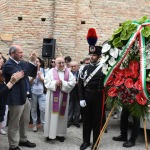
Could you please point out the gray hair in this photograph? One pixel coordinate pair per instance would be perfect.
(74, 63)
(12, 49)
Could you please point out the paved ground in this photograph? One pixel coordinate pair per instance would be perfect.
(74, 140)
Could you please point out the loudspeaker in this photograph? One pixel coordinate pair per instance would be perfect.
(48, 50)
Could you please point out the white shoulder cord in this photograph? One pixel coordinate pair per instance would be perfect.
(92, 74)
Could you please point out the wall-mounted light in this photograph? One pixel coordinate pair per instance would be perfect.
(43, 19)
(82, 22)
(20, 18)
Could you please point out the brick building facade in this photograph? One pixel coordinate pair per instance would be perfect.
(66, 20)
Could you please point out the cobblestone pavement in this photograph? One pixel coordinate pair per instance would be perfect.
(74, 139)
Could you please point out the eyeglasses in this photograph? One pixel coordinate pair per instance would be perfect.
(52, 61)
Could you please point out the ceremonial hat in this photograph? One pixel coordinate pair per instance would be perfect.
(92, 39)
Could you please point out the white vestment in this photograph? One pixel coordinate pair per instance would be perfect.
(56, 124)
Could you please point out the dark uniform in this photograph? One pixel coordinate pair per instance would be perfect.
(93, 94)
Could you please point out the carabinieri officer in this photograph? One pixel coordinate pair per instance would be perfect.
(92, 97)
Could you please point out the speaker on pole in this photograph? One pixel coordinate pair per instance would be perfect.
(48, 49)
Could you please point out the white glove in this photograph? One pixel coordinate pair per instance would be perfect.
(82, 103)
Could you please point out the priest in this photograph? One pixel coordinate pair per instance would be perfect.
(59, 81)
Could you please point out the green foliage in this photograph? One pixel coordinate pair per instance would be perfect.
(121, 35)
(143, 19)
(139, 110)
(117, 42)
(125, 35)
(146, 31)
(118, 30)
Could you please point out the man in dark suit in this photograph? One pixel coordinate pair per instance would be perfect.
(18, 97)
(74, 104)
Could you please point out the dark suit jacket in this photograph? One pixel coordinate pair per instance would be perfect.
(75, 89)
(17, 95)
(3, 93)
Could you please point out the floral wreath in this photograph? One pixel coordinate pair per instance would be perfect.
(126, 57)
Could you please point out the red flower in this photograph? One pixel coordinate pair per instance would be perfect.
(110, 81)
(134, 74)
(128, 83)
(124, 101)
(141, 99)
(134, 65)
(118, 72)
(138, 85)
(123, 96)
(127, 72)
(112, 92)
(118, 81)
(148, 87)
(131, 101)
(139, 77)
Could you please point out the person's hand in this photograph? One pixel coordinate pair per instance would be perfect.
(82, 103)
(33, 56)
(39, 75)
(16, 77)
(59, 83)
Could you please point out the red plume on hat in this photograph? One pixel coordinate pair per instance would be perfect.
(92, 37)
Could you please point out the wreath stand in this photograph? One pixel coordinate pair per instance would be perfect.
(97, 144)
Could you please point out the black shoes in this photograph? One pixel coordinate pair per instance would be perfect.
(81, 120)
(119, 138)
(27, 144)
(77, 125)
(61, 138)
(74, 123)
(15, 148)
(129, 144)
(69, 124)
(48, 139)
(84, 145)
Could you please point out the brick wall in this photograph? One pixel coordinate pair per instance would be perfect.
(63, 22)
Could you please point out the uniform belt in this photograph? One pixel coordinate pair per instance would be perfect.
(90, 90)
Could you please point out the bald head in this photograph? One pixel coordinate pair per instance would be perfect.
(60, 63)
(58, 59)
